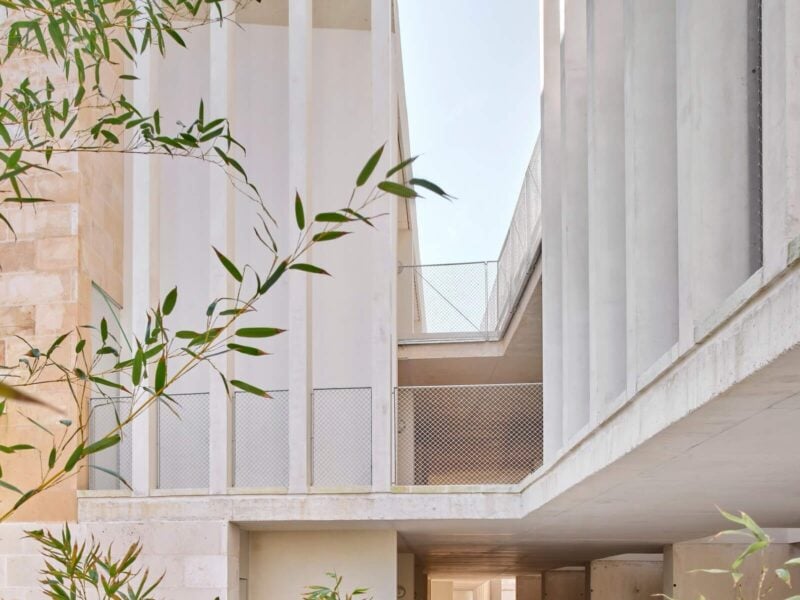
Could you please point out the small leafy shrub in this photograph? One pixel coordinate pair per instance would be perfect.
(321, 592)
(81, 571)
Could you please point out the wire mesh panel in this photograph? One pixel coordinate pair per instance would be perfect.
(108, 466)
(473, 434)
(453, 298)
(183, 442)
(341, 442)
(261, 440)
(475, 300)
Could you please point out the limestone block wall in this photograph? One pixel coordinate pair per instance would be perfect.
(47, 266)
(199, 560)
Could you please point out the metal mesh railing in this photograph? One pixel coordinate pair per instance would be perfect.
(341, 437)
(108, 466)
(261, 440)
(467, 434)
(183, 442)
(475, 300)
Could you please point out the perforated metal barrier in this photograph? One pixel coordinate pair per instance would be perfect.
(467, 435)
(474, 300)
(341, 437)
(261, 440)
(104, 466)
(183, 442)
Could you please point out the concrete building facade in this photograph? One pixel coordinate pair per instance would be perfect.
(558, 423)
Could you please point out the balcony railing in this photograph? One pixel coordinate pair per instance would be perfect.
(467, 434)
(108, 466)
(475, 301)
(340, 440)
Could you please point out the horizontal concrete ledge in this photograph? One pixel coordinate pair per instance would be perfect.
(351, 508)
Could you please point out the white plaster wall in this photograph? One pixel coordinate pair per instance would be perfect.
(262, 114)
(198, 559)
(341, 144)
(283, 563)
(183, 217)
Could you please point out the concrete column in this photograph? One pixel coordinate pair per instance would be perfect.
(651, 213)
(606, 201)
(574, 218)
(551, 225)
(300, 357)
(719, 172)
(220, 232)
(141, 264)
(384, 273)
(688, 557)
(566, 584)
(633, 577)
(792, 93)
(529, 587)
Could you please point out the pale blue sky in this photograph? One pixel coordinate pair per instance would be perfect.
(472, 88)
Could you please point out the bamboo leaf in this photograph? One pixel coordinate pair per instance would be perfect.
(369, 167)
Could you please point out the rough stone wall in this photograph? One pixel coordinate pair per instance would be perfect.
(199, 561)
(46, 273)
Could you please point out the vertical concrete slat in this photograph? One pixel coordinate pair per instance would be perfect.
(574, 218)
(300, 357)
(651, 214)
(220, 223)
(550, 56)
(606, 202)
(718, 167)
(384, 317)
(141, 262)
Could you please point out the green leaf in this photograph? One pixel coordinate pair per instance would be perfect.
(161, 374)
(15, 448)
(229, 266)
(369, 168)
(100, 445)
(8, 486)
(112, 473)
(249, 350)
(784, 576)
(244, 386)
(397, 189)
(258, 332)
(169, 301)
(400, 166)
(326, 236)
(792, 562)
(430, 186)
(332, 217)
(299, 214)
(309, 268)
(103, 330)
(51, 460)
(73, 459)
(79, 346)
